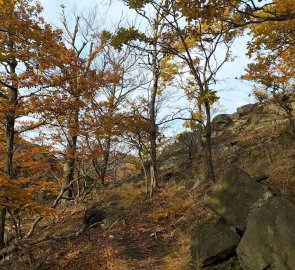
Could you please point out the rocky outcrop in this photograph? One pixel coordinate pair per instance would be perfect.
(269, 240)
(222, 119)
(212, 243)
(266, 224)
(234, 197)
(246, 109)
(220, 123)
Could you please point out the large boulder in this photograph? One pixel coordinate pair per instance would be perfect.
(212, 243)
(222, 119)
(220, 124)
(236, 196)
(269, 240)
(245, 109)
(95, 214)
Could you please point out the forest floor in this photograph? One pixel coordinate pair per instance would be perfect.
(149, 233)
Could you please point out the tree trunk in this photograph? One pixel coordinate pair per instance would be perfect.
(10, 134)
(106, 157)
(209, 163)
(69, 167)
(154, 165)
(144, 171)
(153, 130)
(289, 111)
(2, 226)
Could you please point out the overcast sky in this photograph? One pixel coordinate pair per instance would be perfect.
(233, 93)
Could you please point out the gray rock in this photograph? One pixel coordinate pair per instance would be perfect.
(232, 158)
(220, 123)
(170, 175)
(222, 119)
(212, 243)
(236, 196)
(94, 214)
(246, 109)
(269, 240)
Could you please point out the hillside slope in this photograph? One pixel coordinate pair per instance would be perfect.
(139, 232)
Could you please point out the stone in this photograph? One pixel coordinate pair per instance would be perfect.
(212, 243)
(222, 119)
(232, 158)
(269, 240)
(220, 123)
(234, 197)
(168, 176)
(246, 109)
(94, 214)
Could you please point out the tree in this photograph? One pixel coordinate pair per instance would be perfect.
(79, 79)
(27, 44)
(240, 13)
(152, 56)
(196, 43)
(272, 50)
(107, 111)
(271, 25)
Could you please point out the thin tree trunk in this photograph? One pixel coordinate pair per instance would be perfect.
(10, 134)
(68, 176)
(2, 226)
(106, 157)
(69, 167)
(144, 171)
(153, 131)
(288, 110)
(209, 163)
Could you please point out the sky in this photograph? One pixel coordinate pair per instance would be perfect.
(232, 91)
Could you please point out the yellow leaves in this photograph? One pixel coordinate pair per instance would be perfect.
(190, 42)
(13, 196)
(193, 123)
(32, 177)
(207, 95)
(168, 69)
(278, 8)
(273, 44)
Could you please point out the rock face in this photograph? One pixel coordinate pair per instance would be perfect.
(246, 109)
(222, 119)
(212, 243)
(269, 240)
(234, 197)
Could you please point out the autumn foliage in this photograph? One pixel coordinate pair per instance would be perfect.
(78, 103)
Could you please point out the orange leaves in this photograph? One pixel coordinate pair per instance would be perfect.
(17, 197)
(273, 48)
(13, 196)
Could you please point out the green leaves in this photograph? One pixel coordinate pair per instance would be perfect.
(125, 36)
(136, 4)
(105, 37)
